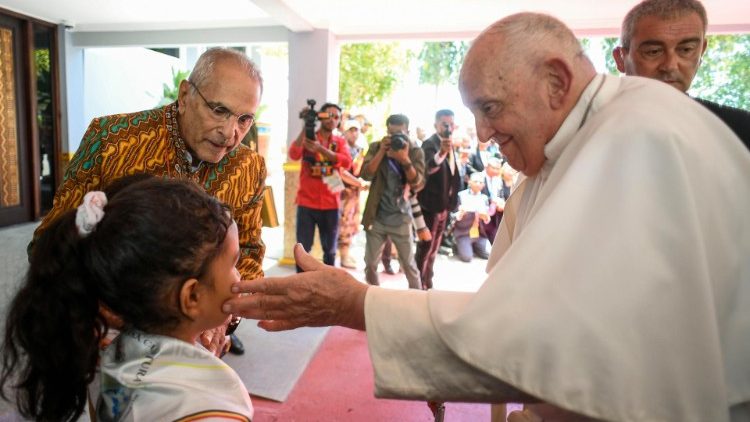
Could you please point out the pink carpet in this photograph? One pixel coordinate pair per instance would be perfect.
(338, 386)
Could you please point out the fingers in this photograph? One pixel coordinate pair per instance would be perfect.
(208, 340)
(218, 343)
(305, 261)
(278, 325)
(214, 340)
(524, 416)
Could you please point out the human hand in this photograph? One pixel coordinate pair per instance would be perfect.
(523, 416)
(320, 296)
(460, 214)
(484, 217)
(385, 144)
(215, 340)
(446, 144)
(364, 184)
(424, 234)
(310, 145)
(402, 155)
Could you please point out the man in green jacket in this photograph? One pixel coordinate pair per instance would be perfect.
(395, 166)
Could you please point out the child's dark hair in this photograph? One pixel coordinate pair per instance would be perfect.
(155, 234)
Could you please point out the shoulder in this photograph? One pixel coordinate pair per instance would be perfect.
(657, 109)
(115, 123)
(727, 113)
(432, 140)
(245, 157)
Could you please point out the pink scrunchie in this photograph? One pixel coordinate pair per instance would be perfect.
(90, 212)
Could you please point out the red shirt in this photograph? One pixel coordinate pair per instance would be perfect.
(313, 192)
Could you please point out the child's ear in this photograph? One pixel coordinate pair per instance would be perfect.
(189, 298)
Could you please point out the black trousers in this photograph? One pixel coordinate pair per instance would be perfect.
(328, 229)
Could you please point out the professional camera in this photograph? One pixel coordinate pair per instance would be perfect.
(309, 115)
(399, 141)
(446, 130)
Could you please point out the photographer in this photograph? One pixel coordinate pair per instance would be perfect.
(440, 194)
(395, 166)
(318, 194)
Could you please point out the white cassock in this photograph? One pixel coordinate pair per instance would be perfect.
(148, 377)
(618, 286)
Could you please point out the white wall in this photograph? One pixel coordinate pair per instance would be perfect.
(123, 80)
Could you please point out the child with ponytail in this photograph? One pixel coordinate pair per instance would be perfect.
(161, 255)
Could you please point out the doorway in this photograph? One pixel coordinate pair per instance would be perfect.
(29, 118)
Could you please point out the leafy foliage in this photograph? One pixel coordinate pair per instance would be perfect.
(608, 45)
(724, 76)
(369, 72)
(441, 62)
(170, 92)
(44, 85)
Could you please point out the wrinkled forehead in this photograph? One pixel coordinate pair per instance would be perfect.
(486, 81)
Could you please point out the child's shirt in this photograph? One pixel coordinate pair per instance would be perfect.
(147, 377)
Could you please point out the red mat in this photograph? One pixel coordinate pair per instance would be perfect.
(338, 386)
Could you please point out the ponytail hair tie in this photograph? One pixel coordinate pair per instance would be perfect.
(90, 212)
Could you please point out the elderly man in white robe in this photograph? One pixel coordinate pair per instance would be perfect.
(619, 284)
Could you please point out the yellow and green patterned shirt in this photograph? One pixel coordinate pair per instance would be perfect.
(148, 142)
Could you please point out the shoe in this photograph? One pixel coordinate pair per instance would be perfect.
(444, 250)
(388, 269)
(348, 262)
(236, 347)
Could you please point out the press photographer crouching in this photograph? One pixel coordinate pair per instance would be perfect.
(322, 154)
(395, 166)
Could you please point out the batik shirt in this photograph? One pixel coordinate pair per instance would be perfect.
(148, 377)
(149, 142)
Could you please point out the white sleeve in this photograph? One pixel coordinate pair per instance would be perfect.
(409, 358)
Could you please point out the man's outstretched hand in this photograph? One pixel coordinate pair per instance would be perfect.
(319, 296)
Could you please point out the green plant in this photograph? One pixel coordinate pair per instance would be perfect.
(441, 62)
(170, 92)
(369, 72)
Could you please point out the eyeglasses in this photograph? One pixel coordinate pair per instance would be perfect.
(222, 114)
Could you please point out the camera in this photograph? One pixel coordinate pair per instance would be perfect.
(309, 115)
(399, 141)
(446, 130)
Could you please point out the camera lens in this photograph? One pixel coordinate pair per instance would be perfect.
(399, 141)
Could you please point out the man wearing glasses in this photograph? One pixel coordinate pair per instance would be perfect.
(320, 184)
(197, 138)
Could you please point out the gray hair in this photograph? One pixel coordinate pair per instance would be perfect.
(532, 35)
(663, 9)
(204, 67)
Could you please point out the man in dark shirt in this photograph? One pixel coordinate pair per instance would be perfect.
(440, 194)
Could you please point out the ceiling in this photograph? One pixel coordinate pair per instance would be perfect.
(352, 19)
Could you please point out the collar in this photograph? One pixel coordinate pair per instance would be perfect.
(184, 164)
(596, 94)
